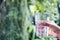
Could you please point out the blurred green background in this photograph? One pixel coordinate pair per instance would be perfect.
(16, 18)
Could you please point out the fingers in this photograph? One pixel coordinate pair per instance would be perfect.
(51, 33)
(54, 34)
(43, 23)
(46, 23)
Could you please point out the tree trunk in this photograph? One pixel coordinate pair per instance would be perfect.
(16, 21)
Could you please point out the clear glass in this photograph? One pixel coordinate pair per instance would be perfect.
(40, 32)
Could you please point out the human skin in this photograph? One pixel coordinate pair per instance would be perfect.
(54, 27)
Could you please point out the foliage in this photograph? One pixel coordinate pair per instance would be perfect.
(48, 6)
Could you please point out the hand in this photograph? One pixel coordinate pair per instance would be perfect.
(51, 33)
(53, 27)
(46, 23)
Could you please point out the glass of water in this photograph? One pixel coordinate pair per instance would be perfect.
(40, 32)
